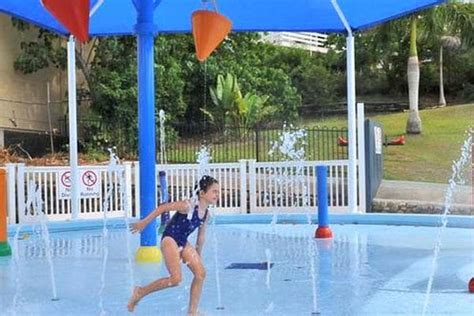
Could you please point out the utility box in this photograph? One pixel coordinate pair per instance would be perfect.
(373, 160)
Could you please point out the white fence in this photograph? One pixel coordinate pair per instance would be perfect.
(291, 187)
(45, 180)
(181, 180)
(246, 187)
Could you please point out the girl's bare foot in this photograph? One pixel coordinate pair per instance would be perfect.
(134, 299)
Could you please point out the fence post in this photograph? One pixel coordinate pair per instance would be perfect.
(20, 189)
(243, 186)
(5, 249)
(11, 191)
(257, 143)
(137, 188)
(128, 188)
(252, 185)
(361, 155)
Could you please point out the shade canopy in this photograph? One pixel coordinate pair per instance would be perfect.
(118, 17)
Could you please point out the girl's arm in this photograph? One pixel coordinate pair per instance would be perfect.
(201, 237)
(180, 206)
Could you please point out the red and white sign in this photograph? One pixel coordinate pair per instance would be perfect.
(89, 178)
(66, 179)
(89, 184)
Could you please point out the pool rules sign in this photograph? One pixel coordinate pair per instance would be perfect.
(89, 184)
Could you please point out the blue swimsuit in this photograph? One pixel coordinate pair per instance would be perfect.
(179, 227)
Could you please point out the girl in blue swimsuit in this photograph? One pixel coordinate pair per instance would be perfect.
(175, 246)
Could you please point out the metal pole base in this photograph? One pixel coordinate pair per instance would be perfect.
(323, 232)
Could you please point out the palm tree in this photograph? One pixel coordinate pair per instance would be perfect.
(413, 74)
(449, 43)
(450, 25)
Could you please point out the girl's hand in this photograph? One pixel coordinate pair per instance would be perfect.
(137, 227)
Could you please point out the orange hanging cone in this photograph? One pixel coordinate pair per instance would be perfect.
(209, 30)
(73, 15)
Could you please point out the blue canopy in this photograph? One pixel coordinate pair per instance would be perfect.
(118, 17)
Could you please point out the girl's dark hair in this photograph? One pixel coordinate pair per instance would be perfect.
(205, 183)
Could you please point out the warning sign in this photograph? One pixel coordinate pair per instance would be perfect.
(89, 178)
(89, 184)
(66, 179)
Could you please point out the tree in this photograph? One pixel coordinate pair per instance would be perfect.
(182, 83)
(413, 76)
(254, 110)
(434, 30)
(380, 65)
(108, 66)
(244, 56)
(310, 74)
(114, 77)
(225, 97)
(451, 43)
(448, 27)
(249, 59)
(233, 109)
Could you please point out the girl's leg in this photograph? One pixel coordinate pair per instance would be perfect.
(194, 262)
(170, 251)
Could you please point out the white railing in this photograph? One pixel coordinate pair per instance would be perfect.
(182, 179)
(306, 40)
(46, 180)
(264, 186)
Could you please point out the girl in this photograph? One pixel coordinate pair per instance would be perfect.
(175, 246)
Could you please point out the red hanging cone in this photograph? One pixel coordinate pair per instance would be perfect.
(209, 30)
(73, 15)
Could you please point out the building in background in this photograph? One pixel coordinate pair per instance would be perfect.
(313, 42)
(26, 118)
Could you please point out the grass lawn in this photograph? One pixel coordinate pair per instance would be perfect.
(427, 157)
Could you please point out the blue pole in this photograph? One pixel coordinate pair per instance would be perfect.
(164, 197)
(148, 252)
(323, 230)
(321, 174)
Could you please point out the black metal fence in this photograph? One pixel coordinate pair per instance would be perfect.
(95, 134)
(183, 141)
(32, 144)
(234, 143)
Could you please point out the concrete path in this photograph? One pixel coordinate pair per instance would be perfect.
(420, 197)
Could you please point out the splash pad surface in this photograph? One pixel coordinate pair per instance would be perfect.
(365, 269)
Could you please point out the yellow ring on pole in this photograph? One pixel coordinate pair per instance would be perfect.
(148, 254)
